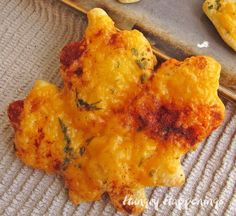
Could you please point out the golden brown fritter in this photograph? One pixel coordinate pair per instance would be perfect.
(222, 14)
(117, 125)
(117, 61)
(41, 138)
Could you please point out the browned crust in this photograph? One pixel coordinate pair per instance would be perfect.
(169, 122)
(116, 40)
(128, 208)
(71, 52)
(117, 194)
(160, 121)
(14, 111)
(201, 62)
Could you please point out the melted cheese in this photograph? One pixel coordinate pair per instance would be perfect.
(222, 13)
(116, 128)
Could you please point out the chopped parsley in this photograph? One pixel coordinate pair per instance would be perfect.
(118, 64)
(134, 51)
(210, 7)
(67, 149)
(218, 4)
(143, 78)
(85, 105)
(65, 163)
(142, 64)
(82, 150)
(215, 6)
(88, 141)
(140, 162)
(65, 132)
(112, 90)
(151, 173)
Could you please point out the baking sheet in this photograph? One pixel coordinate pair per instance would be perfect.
(178, 28)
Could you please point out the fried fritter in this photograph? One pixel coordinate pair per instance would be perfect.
(42, 139)
(222, 14)
(117, 61)
(117, 125)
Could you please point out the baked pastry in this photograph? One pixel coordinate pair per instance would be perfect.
(222, 14)
(118, 124)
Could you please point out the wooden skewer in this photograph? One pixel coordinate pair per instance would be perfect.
(225, 92)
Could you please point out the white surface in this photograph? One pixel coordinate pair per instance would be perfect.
(32, 33)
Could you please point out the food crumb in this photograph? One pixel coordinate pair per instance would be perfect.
(204, 44)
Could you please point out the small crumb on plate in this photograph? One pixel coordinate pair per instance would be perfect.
(204, 44)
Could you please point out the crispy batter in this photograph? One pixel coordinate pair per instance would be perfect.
(116, 128)
(39, 139)
(14, 112)
(117, 61)
(222, 14)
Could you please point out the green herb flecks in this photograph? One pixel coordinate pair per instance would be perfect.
(218, 4)
(85, 105)
(65, 163)
(78, 166)
(117, 64)
(67, 149)
(82, 151)
(112, 91)
(65, 132)
(141, 63)
(210, 7)
(151, 173)
(143, 78)
(134, 51)
(89, 140)
(140, 162)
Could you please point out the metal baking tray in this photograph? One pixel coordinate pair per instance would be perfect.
(175, 29)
